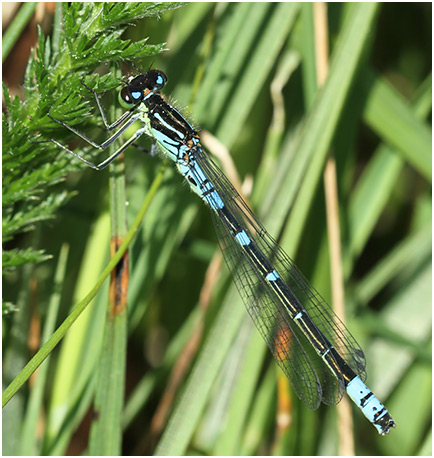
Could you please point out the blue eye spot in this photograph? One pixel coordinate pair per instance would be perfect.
(159, 79)
(136, 95)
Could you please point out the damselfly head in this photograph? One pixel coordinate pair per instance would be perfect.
(138, 86)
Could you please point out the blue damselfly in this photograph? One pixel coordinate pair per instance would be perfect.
(310, 344)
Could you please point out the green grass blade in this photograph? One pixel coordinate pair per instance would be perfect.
(261, 415)
(106, 431)
(29, 440)
(319, 128)
(79, 352)
(183, 420)
(13, 360)
(242, 392)
(256, 71)
(16, 27)
(394, 121)
(232, 48)
(411, 252)
(374, 187)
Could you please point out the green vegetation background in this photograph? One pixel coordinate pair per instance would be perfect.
(234, 70)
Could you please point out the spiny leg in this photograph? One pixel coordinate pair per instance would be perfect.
(107, 161)
(119, 121)
(105, 144)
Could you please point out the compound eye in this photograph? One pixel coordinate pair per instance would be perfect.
(130, 97)
(125, 96)
(157, 79)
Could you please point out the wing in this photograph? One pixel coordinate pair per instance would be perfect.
(311, 379)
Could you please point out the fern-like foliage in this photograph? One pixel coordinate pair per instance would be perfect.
(85, 36)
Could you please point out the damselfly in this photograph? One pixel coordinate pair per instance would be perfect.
(310, 344)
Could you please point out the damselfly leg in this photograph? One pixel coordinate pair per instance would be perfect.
(108, 126)
(123, 123)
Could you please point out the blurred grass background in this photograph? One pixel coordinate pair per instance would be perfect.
(246, 74)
